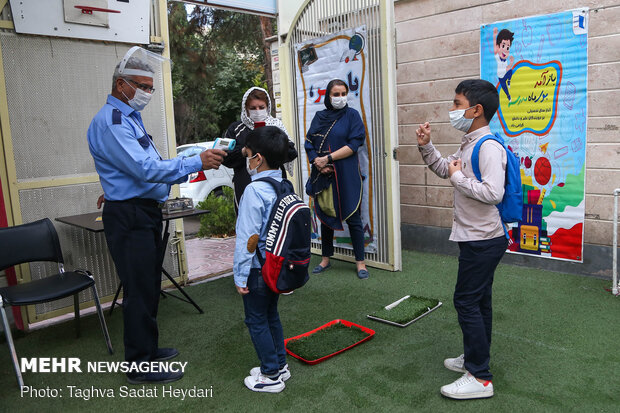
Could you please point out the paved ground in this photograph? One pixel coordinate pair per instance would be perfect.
(206, 257)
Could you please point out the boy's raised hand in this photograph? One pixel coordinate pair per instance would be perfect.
(424, 134)
(454, 166)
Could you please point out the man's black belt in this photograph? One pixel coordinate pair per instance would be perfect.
(143, 202)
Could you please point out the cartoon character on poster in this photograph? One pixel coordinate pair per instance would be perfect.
(539, 65)
(341, 56)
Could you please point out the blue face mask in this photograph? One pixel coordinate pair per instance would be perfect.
(459, 121)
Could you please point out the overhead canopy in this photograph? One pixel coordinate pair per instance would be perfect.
(261, 7)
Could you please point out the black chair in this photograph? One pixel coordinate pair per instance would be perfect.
(34, 242)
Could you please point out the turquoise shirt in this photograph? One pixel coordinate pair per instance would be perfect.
(128, 164)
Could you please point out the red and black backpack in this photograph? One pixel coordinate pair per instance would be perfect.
(287, 247)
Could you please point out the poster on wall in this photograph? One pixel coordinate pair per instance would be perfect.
(341, 55)
(540, 67)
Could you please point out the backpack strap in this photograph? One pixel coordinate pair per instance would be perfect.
(274, 184)
(475, 163)
(281, 188)
(475, 155)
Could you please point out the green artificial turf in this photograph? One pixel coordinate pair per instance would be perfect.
(326, 341)
(407, 310)
(556, 348)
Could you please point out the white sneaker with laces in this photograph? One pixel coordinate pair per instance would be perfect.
(467, 387)
(285, 373)
(456, 364)
(262, 383)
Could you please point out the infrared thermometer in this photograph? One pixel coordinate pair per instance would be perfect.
(224, 144)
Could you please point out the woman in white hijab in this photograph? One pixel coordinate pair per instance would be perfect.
(255, 112)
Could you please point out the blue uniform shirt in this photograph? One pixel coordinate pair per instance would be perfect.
(254, 208)
(128, 164)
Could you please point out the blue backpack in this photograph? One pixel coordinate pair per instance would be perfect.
(287, 247)
(511, 206)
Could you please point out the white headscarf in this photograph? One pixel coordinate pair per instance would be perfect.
(270, 121)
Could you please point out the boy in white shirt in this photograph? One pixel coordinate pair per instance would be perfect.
(477, 227)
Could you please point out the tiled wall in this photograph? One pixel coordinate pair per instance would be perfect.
(438, 46)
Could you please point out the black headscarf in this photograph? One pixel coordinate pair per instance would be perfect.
(325, 118)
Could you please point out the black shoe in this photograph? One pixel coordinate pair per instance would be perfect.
(154, 378)
(166, 353)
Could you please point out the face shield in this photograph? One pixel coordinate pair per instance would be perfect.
(149, 62)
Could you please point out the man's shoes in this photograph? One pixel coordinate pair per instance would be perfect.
(262, 383)
(363, 274)
(467, 387)
(319, 269)
(285, 373)
(456, 364)
(154, 378)
(166, 353)
(289, 293)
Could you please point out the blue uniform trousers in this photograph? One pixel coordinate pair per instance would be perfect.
(133, 231)
(472, 300)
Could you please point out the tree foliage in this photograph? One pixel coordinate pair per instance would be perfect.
(217, 55)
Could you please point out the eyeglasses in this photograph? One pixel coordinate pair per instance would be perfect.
(142, 86)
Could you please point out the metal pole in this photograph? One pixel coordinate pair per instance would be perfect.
(614, 288)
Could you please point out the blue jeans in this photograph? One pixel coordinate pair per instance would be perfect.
(263, 321)
(472, 300)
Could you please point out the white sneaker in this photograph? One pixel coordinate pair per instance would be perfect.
(285, 373)
(467, 387)
(456, 364)
(264, 384)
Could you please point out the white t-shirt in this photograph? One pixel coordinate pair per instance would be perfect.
(501, 66)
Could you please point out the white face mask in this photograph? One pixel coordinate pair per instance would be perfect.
(258, 115)
(251, 171)
(459, 121)
(338, 102)
(140, 98)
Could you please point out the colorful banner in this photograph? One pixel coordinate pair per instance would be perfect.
(342, 56)
(540, 67)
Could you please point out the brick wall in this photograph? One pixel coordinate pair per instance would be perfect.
(438, 46)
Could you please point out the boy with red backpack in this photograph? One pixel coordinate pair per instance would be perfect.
(269, 212)
(477, 226)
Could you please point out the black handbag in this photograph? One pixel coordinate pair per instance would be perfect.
(319, 185)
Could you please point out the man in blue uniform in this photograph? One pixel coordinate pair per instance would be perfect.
(135, 180)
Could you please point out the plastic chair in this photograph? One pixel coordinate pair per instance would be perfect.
(34, 242)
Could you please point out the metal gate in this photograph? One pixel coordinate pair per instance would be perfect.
(323, 17)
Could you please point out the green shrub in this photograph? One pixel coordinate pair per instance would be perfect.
(220, 221)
